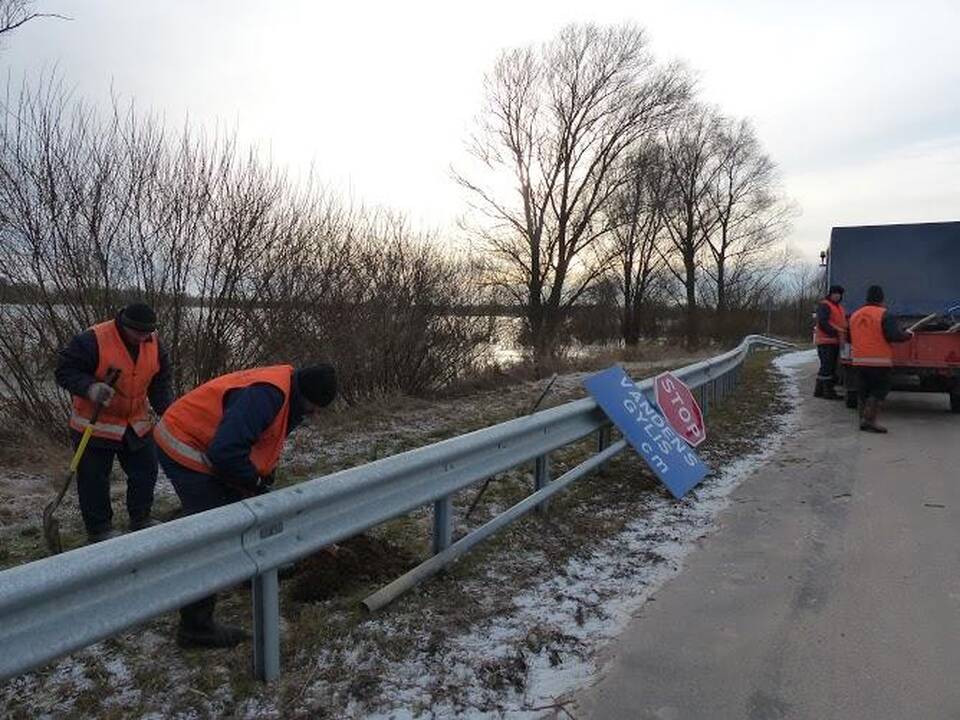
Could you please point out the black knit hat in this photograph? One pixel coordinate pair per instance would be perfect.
(875, 294)
(139, 316)
(318, 383)
(838, 289)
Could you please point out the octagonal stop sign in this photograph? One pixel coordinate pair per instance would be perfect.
(680, 408)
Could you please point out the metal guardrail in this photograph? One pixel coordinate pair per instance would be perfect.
(56, 605)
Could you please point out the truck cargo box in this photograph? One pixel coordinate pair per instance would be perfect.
(918, 265)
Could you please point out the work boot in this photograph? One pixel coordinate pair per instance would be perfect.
(142, 521)
(829, 392)
(95, 536)
(818, 389)
(868, 423)
(198, 629)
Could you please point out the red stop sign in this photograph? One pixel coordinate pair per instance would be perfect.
(680, 408)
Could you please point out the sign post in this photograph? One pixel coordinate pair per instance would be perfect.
(680, 408)
(664, 451)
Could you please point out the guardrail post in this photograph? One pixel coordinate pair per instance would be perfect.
(541, 478)
(442, 523)
(266, 626)
(603, 442)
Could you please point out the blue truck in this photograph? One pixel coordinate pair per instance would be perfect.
(918, 266)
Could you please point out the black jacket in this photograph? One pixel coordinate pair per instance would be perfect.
(247, 413)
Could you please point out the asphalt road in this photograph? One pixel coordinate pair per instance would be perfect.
(830, 590)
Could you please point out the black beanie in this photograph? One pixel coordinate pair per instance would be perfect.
(875, 294)
(139, 316)
(318, 384)
(838, 289)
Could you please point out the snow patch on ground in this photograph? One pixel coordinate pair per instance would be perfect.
(562, 623)
(619, 577)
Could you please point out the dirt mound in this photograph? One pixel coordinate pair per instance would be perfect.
(357, 562)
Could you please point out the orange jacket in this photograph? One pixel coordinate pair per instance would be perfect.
(129, 404)
(838, 321)
(188, 426)
(869, 345)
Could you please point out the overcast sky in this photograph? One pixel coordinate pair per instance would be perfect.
(857, 102)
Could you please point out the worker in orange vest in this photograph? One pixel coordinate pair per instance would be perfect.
(829, 334)
(221, 442)
(129, 343)
(872, 329)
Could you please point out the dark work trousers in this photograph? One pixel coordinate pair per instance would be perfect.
(874, 382)
(828, 354)
(197, 492)
(93, 481)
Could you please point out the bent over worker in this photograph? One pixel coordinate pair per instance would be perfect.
(829, 334)
(872, 329)
(221, 442)
(130, 344)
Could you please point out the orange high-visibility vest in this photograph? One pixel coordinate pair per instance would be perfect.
(129, 404)
(187, 427)
(838, 321)
(869, 346)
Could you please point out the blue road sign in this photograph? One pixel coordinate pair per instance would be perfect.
(667, 454)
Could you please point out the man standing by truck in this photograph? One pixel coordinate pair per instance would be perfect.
(872, 329)
(829, 334)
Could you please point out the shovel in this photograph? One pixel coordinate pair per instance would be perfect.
(51, 526)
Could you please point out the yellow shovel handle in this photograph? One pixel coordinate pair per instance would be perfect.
(81, 446)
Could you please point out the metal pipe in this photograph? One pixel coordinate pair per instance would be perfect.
(429, 568)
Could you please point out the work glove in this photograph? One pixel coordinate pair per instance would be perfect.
(265, 483)
(100, 392)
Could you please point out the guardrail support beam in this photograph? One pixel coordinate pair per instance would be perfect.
(541, 478)
(442, 524)
(266, 626)
(603, 442)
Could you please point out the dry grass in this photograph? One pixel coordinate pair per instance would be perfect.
(337, 660)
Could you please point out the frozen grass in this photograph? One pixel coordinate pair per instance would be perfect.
(510, 631)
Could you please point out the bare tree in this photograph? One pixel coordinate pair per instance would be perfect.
(15, 13)
(691, 159)
(556, 122)
(744, 216)
(243, 267)
(637, 229)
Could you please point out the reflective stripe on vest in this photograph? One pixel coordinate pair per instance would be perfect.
(129, 403)
(100, 429)
(179, 450)
(869, 345)
(838, 321)
(190, 423)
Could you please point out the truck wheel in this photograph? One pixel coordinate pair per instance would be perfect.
(852, 399)
(955, 403)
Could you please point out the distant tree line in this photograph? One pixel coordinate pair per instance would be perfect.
(243, 266)
(608, 202)
(598, 169)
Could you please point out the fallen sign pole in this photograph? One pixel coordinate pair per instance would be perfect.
(680, 408)
(443, 558)
(642, 425)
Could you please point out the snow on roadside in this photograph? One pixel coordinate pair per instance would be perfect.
(617, 579)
